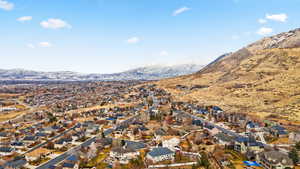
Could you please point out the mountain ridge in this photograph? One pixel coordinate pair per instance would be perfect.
(154, 72)
(260, 79)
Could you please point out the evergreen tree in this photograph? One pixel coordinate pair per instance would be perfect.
(297, 146)
(293, 154)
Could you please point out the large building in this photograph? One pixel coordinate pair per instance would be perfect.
(274, 160)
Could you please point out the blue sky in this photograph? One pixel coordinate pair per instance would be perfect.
(105, 36)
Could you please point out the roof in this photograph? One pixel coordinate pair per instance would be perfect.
(160, 132)
(122, 150)
(17, 143)
(275, 157)
(68, 165)
(15, 163)
(30, 138)
(160, 152)
(223, 137)
(6, 149)
(105, 141)
(51, 167)
(134, 145)
(241, 139)
(3, 134)
(278, 127)
(251, 124)
(41, 134)
(282, 132)
(38, 152)
(73, 158)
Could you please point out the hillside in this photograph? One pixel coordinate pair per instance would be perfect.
(261, 79)
(142, 73)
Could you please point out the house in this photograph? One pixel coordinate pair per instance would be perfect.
(212, 130)
(278, 131)
(123, 155)
(18, 145)
(159, 133)
(252, 126)
(41, 134)
(4, 135)
(67, 165)
(160, 154)
(170, 142)
(216, 109)
(6, 151)
(223, 139)
(48, 130)
(105, 142)
(274, 160)
(294, 137)
(16, 163)
(244, 144)
(71, 162)
(30, 139)
(197, 123)
(37, 153)
(134, 145)
(73, 159)
(62, 142)
(92, 128)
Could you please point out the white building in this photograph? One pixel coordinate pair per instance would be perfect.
(123, 155)
(170, 142)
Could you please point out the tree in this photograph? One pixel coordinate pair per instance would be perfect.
(50, 145)
(204, 161)
(293, 154)
(297, 146)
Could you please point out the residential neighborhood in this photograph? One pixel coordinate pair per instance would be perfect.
(140, 126)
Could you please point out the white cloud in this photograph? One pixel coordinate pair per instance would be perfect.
(24, 18)
(133, 40)
(164, 53)
(53, 23)
(30, 45)
(264, 31)
(235, 37)
(180, 10)
(277, 17)
(5, 5)
(45, 44)
(262, 21)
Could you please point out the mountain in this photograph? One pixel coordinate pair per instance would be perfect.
(143, 73)
(261, 79)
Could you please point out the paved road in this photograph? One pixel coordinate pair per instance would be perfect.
(53, 138)
(88, 142)
(65, 155)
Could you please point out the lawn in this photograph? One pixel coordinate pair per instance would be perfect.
(97, 161)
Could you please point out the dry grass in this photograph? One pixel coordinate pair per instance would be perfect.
(265, 83)
(11, 115)
(97, 107)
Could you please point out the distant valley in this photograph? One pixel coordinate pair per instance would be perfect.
(155, 72)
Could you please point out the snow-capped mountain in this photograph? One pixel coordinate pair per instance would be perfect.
(143, 73)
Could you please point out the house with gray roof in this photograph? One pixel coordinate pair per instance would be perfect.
(274, 160)
(4, 151)
(160, 154)
(224, 139)
(123, 155)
